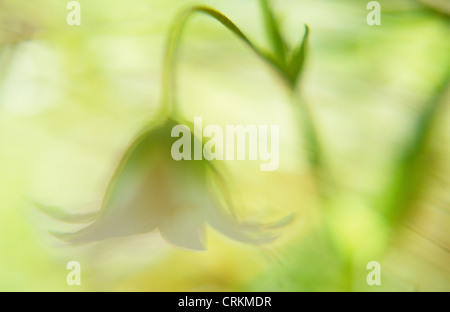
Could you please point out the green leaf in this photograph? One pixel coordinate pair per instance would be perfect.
(297, 61)
(412, 164)
(273, 32)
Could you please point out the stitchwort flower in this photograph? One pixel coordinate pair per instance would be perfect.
(151, 190)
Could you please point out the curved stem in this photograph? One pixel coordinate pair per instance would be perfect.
(169, 102)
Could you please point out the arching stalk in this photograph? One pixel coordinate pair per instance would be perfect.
(169, 101)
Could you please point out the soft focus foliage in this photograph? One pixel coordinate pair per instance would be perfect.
(72, 98)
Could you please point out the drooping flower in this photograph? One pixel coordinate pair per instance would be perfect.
(151, 190)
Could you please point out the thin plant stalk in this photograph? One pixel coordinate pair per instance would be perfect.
(169, 101)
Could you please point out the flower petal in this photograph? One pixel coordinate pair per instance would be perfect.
(129, 223)
(231, 227)
(185, 228)
(61, 215)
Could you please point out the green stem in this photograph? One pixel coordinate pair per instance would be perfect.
(169, 102)
(314, 149)
(306, 120)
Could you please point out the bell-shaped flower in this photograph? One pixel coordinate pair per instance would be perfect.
(151, 190)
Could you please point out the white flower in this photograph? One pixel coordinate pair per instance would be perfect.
(150, 190)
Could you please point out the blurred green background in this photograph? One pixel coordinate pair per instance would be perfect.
(73, 97)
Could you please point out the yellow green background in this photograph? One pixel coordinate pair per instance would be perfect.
(73, 97)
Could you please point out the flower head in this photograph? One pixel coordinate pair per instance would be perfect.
(151, 190)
